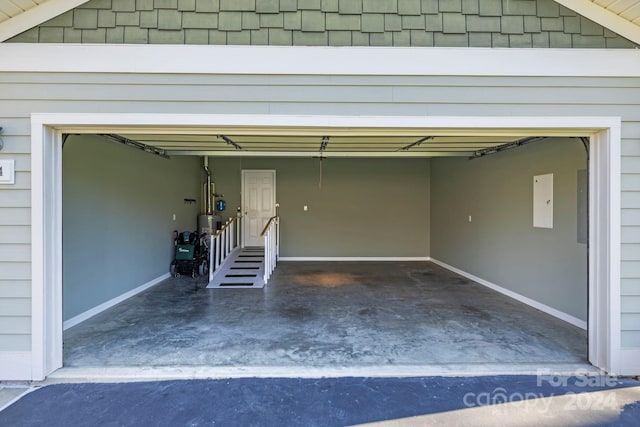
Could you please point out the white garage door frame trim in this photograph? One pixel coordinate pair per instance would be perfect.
(604, 249)
(318, 60)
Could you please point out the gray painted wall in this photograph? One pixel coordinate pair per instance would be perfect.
(500, 244)
(366, 207)
(439, 23)
(24, 93)
(118, 206)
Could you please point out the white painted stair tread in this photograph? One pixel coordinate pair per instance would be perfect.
(243, 269)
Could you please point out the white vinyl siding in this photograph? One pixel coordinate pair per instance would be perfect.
(24, 93)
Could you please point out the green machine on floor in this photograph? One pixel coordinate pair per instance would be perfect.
(190, 257)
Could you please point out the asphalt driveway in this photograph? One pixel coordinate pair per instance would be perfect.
(495, 400)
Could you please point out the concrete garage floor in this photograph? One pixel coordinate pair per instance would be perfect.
(321, 314)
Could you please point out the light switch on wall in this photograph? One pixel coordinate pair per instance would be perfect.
(305, 208)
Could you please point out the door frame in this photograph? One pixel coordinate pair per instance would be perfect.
(604, 333)
(243, 173)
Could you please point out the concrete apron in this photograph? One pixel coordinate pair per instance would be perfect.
(135, 374)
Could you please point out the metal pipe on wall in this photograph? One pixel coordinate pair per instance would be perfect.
(208, 195)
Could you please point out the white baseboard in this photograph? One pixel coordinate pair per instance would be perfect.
(535, 304)
(353, 258)
(15, 366)
(102, 307)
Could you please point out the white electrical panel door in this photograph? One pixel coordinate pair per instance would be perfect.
(543, 201)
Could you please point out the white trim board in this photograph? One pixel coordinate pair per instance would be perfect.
(75, 320)
(354, 258)
(46, 193)
(318, 60)
(525, 300)
(317, 125)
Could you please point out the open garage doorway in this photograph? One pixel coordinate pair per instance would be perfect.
(322, 311)
(597, 144)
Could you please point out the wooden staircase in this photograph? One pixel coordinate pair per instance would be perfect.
(244, 268)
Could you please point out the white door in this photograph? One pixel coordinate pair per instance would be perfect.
(258, 204)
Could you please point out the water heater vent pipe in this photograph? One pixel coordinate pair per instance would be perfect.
(208, 195)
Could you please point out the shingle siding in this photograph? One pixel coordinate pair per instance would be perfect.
(471, 23)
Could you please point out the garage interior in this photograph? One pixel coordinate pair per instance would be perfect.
(460, 200)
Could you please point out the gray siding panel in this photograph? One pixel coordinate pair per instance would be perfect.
(11, 198)
(15, 289)
(630, 217)
(15, 144)
(15, 234)
(630, 181)
(630, 339)
(14, 271)
(23, 94)
(630, 164)
(23, 180)
(15, 307)
(13, 324)
(15, 127)
(15, 253)
(630, 287)
(630, 269)
(15, 216)
(319, 93)
(15, 342)
(630, 199)
(630, 304)
(312, 81)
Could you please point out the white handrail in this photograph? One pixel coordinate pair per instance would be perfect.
(222, 243)
(271, 236)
